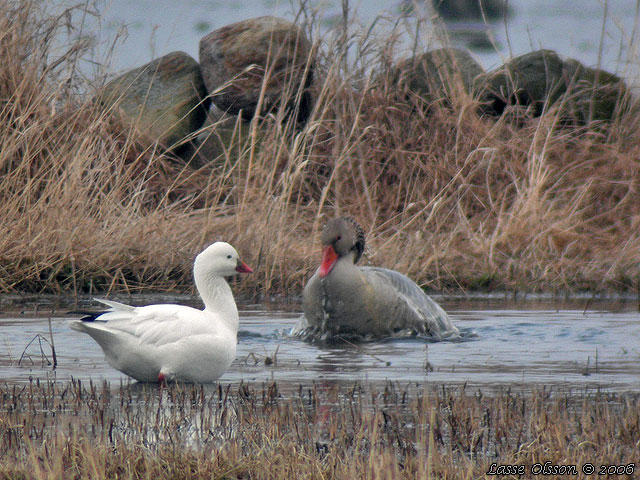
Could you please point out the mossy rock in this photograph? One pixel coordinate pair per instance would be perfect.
(223, 140)
(594, 94)
(542, 78)
(264, 57)
(528, 80)
(163, 100)
(437, 75)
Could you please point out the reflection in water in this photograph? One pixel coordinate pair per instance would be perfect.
(523, 344)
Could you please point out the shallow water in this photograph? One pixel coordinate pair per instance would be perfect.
(150, 28)
(523, 345)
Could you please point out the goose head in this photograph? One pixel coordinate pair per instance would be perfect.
(219, 259)
(341, 237)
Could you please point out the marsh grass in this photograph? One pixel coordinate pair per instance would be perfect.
(341, 431)
(452, 199)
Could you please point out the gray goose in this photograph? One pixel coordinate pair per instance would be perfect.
(344, 300)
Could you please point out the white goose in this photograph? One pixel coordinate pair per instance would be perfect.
(167, 342)
(342, 299)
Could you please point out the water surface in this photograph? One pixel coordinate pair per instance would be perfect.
(523, 345)
(597, 33)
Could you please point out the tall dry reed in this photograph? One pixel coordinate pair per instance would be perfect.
(457, 201)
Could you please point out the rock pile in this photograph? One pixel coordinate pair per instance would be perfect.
(256, 66)
(266, 65)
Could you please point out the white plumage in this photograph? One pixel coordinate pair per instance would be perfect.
(175, 342)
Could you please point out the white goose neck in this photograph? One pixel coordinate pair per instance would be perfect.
(217, 297)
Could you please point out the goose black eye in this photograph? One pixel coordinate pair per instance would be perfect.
(229, 256)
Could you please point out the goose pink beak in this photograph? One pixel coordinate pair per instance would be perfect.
(329, 259)
(243, 267)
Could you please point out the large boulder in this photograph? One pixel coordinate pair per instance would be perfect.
(539, 79)
(528, 80)
(439, 74)
(222, 139)
(595, 94)
(163, 100)
(265, 55)
(471, 9)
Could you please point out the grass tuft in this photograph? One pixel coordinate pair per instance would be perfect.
(79, 430)
(454, 200)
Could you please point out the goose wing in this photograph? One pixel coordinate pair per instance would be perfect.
(409, 302)
(153, 324)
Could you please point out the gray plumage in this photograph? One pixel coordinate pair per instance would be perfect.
(365, 302)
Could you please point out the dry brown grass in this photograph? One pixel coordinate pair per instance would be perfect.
(55, 430)
(454, 200)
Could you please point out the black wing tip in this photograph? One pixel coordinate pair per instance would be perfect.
(87, 316)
